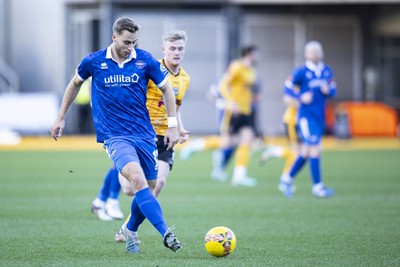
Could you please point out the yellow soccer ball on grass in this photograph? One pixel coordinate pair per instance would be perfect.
(220, 241)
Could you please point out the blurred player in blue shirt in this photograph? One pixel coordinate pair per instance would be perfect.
(311, 84)
(120, 74)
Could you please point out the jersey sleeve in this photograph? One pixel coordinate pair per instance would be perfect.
(84, 69)
(158, 73)
(293, 81)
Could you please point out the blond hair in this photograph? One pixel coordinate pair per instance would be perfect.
(174, 35)
(313, 47)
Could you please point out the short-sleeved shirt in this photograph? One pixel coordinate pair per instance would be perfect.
(311, 116)
(119, 92)
(309, 78)
(239, 85)
(155, 102)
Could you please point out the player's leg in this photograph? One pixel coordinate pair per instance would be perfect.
(305, 128)
(165, 163)
(139, 217)
(163, 172)
(286, 180)
(228, 151)
(294, 140)
(127, 161)
(144, 205)
(155, 186)
(242, 160)
(99, 204)
(221, 157)
(319, 189)
(112, 206)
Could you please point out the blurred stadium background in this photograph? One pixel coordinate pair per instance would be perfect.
(41, 43)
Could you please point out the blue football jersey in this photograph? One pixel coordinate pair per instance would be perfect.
(119, 92)
(310, 77)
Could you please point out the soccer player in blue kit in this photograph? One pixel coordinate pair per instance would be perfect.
(120, 74)
(314, 83)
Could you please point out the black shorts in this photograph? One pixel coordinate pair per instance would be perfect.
(163, 154)
(239, 121)
(292, 133)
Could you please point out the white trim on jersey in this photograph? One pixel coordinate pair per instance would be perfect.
(317, 69)
(131, 55)
(79, 77)
(163, 82)
(289, 84)
(305, 130)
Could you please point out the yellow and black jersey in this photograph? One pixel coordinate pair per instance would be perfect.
(155, 103)
(237, 85)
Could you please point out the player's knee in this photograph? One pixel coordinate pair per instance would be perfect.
(128, 191)
(125, 185)
(314, 152)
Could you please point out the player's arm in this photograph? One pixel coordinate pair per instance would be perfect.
(171, 136)
(70, 94)
(305, 96)
(183, 133)
(225, 88)
(224, 85)
(290, 101)
(291, 92)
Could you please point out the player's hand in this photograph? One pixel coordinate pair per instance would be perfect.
(171, 137)
(232, 107)
(306, 98)
(325, 88)
(183, 136)
(57, 129)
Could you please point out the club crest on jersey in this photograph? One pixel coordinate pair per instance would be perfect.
(163, 68)
(176, 90)
(140, 64)
(103, 66)
(309, 74)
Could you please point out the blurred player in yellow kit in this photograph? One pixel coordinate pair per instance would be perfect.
(236, 87)
(234, 97)
(174, 49)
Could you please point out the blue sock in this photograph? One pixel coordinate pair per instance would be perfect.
(298, 164)
(136, 218)
(115, 186)
(315, 170)
(105, 189)
(151, 209)
(227, 155)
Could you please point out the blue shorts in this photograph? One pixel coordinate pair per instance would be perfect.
(123, 150)
(311, 131)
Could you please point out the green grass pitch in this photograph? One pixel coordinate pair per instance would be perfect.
(45, 217)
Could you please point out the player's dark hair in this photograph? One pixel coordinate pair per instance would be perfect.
(248, 49)
(125, 23)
